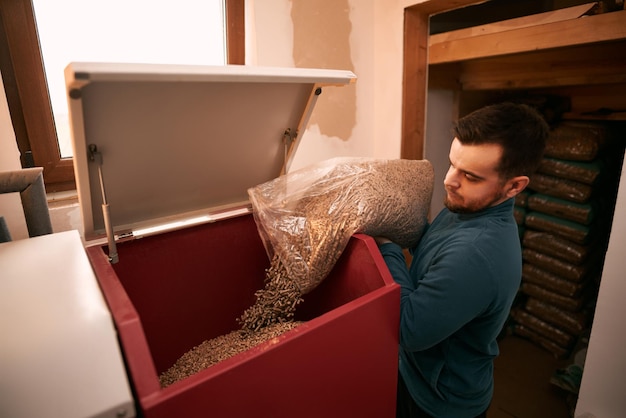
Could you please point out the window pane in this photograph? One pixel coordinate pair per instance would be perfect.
(138, 31)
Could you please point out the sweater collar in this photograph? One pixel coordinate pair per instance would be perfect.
(503, 209)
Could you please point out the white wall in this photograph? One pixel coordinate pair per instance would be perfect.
(439, 114)
(602, 388)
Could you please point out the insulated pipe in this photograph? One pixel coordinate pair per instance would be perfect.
(28, 182)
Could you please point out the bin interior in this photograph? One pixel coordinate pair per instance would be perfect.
(192, 284)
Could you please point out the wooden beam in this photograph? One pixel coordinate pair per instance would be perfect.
(432, 7)
(414, 84)
(415, 71)
(517, 23)
(589, 29)
(577, 65)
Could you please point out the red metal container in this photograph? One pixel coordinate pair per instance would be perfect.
(169, 291)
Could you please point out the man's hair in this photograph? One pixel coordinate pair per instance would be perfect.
(519, 129)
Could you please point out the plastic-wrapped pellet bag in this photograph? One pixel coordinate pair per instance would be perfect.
(306, 217)
(556, 246)
(561, 188)
(576, 140)
(582, 172)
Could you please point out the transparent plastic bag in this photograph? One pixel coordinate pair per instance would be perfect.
(306, 217)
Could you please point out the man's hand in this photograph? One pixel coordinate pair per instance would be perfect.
(381, 240)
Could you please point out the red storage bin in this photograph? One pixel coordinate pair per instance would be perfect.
(170, 292)
(168, 153)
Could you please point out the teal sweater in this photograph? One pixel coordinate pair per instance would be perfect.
(455, 298)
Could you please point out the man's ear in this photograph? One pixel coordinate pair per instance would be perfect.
(515, 185)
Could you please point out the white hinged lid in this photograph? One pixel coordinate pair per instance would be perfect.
(178, 142)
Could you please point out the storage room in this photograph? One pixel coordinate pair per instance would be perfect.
(152, 228)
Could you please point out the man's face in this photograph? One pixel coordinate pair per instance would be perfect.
(472, 182)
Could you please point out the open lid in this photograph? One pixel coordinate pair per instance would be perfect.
(160, 143)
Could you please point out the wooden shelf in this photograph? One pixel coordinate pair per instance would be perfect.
(603, 63)
(620, 116)
(557, 49)
(594, 102)
(558, 15)
(587, 30)
(565, 53)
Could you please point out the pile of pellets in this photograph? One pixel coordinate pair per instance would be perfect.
(306, 233)
(271, 316)
(221, 348)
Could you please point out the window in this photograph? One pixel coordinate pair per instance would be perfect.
(27, 88)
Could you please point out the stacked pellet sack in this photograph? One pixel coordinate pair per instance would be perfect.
(564, 221)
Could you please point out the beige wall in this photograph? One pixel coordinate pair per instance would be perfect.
(364, 36)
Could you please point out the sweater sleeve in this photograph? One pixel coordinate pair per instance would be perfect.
(457, 287)
(394, 258)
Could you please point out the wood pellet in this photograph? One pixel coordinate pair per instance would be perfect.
(276, 303)
(269, 317)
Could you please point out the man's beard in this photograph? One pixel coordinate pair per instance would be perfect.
(475, 206)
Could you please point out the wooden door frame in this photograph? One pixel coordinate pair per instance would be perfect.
(415, 72)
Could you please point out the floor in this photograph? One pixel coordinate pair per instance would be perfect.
(522, 382)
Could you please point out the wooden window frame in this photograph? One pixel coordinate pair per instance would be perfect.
(28, 99)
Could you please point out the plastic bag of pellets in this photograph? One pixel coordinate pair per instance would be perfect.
(306, 218)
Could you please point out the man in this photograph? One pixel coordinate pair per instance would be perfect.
(457, 293)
